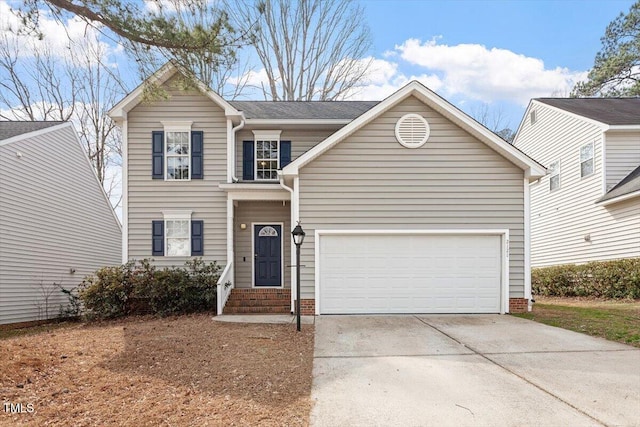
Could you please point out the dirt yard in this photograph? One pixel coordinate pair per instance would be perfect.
(183, 371)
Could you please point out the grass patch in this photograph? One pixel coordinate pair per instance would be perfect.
(619, 321)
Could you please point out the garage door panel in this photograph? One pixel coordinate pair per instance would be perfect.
(410, 273)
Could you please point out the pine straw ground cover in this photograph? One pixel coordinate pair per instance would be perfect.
(183, 371)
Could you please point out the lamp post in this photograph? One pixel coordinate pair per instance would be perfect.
(298, 237)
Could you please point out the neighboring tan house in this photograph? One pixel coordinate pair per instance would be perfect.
(409, 205)
(56, 223)
(588, 207)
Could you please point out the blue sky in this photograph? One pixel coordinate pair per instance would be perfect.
(563, 35)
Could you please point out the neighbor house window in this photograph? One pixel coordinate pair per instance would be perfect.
(177, 146)
(586, 160)
(532, 117)
(267, 159)
(554, 175)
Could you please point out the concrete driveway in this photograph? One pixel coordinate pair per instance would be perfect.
(480, 370)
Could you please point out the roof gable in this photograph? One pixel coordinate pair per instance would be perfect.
(168, 70)
(532, 168)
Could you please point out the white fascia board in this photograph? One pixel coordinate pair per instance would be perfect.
(619, 198)
(623, 128)
(437, 103)
(36, 133)
(279, 122)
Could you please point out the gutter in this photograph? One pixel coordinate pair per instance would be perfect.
(235, 130)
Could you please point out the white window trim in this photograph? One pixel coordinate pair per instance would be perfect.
(176, 126)
(176, 216)
(551, 190)
(264, 135)
(593, 158)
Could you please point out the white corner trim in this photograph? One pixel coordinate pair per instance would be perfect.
(125, 191)
(502, 232)
(527, 240)
(267, 135)
(603, 175)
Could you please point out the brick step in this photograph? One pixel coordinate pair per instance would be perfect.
(258, 302)
(256, 310)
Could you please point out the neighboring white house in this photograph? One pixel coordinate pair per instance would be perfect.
(409, 205)
(588, 206)
(56, 223)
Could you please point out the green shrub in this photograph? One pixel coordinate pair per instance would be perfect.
(616, 279)
(140, 287)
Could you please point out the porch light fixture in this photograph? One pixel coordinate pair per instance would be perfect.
(298, 237)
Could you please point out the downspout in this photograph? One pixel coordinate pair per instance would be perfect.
(234, 130)
(293, 218)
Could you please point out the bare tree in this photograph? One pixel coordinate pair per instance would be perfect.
(493, 119)
(310, 49)
(40, 84)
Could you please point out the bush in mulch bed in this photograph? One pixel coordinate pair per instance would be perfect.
(141, 288)
(616, 279)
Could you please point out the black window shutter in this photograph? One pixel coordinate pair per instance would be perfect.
(197, 235)
(285, 153)
(196, 154)
(157, 238)
(247, 160)
(157, 154)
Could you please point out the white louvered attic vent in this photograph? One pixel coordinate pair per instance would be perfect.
(412, 130)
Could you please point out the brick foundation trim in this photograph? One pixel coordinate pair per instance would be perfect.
(518, 305)
(308, 307)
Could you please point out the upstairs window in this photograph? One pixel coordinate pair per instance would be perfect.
(554, 175)
(176, 152)
(586, 160)
(177, 155)
(532, 117)
(267, 159)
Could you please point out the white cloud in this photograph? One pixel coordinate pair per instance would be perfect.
(486, 74)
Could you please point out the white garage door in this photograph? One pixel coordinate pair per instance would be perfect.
(410, 273)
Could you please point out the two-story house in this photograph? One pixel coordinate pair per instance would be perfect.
(408, 204)
(588, 207)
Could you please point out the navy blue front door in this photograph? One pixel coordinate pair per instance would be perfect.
(268, 255)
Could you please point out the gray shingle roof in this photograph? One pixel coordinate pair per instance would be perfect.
(300, 110)
(629, 184)
(612, 111)
(11, 129)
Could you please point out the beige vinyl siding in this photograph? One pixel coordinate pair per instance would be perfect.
(54, 217)
(370, 181)
(148, 198)
(302, 140)
(561, 219)
(623, 155)
(259, 212)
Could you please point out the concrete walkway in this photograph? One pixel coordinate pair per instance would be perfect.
(481, 370)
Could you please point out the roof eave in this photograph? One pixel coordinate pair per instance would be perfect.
(620, 198)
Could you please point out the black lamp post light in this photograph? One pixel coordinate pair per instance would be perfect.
(298, 237)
